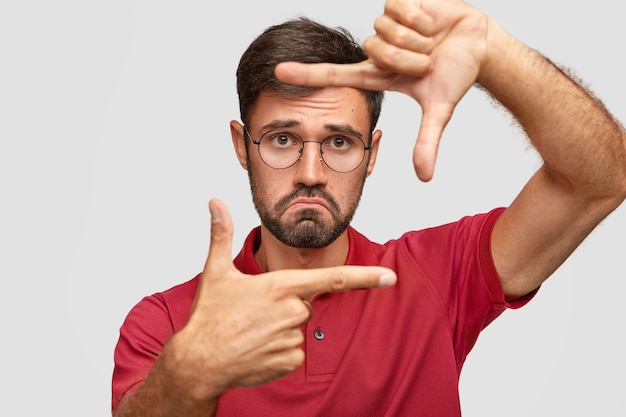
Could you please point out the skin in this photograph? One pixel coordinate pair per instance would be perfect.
(311, 117)
(244, 332)
(434, 51)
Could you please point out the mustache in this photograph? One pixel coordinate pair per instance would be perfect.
(307, 192)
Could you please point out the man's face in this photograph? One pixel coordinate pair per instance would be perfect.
(307, 205)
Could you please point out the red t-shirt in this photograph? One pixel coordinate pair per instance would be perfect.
(381, 352)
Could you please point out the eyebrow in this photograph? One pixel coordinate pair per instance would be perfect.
(291, 123)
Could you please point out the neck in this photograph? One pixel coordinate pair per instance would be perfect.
(273, 255)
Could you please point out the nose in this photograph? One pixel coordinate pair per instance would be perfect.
(310, 169)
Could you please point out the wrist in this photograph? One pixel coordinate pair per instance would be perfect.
(189, 373)
(501, 58)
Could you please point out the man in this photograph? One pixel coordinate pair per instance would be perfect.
(297, 325)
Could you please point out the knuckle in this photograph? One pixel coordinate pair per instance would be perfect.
(412, 16)
(276, 287)
(294, 338)
(401, 36)
(390, 6)
(338, 281)
(298, 337)
(380, 23)
(296, 359)
(296, 308)
(332, 75)
(368, 45)
(389, 56)
(428, 45)
(288, 362)
(217, 233)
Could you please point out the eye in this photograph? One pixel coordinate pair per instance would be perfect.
(283, 140)
(338, 143)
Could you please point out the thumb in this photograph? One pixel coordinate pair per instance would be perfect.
(435, 117)
(218, 262)
(219, 259)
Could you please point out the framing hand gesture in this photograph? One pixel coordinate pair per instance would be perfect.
(431, 50)
(244, 330)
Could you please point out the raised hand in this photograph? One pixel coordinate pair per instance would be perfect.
(245, 330)
(431, 50)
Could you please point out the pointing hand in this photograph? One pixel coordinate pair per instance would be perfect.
(244, 330)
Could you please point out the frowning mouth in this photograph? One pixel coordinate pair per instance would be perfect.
(308, 198)
(307, 203)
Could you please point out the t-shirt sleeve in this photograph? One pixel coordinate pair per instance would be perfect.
(488, 268)
(457, 260)
(479, 297)
(143, 334)
(146, 329)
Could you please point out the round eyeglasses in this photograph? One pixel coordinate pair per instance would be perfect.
(282, 149)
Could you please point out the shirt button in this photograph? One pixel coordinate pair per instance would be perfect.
(319, 335)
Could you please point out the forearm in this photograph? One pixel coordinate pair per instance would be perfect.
(581, 144)
(583, 177)
(163, 394)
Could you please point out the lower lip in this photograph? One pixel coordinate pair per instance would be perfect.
(300, 206)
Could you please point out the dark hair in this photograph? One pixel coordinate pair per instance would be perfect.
(301, 40)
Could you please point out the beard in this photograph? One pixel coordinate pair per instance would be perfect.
(308, 229)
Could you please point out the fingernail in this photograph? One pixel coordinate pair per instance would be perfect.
(387, 280)
(214, 215)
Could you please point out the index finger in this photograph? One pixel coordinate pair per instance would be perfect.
(308, 282)
(363, 75)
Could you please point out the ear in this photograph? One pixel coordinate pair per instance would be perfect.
(376, 136)
(239, 143)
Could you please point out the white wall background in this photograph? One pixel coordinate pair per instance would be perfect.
(114, 135)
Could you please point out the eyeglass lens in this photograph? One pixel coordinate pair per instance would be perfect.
(342, 153)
